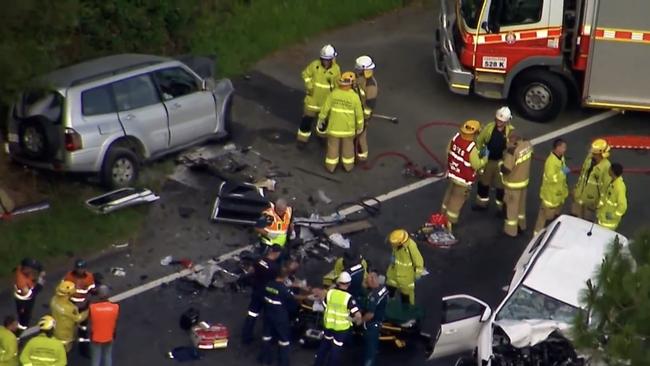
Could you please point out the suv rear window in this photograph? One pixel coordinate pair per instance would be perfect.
(40, 102)
(97, 101)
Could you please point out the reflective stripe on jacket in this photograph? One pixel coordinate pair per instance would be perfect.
(554, 188)
(319, 83)
(23, 285)
(486, 133)
(343, 112)
(277, 231)
(83, 285)
(461, 160)
(407, 265)
(337, 314)
(8, 347)
(517, 164)
(67, 317)
(103, 319)
(43, 351)
(367, 90)
(592, 183)
(613, 204)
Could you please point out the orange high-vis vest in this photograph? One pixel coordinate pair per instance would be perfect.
(83, 285)
(278, 229)
(103, 318)
(24, 285)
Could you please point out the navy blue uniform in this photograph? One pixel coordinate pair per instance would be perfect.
(377, 305)
(357, 272)
(265, 272)
(279, 304)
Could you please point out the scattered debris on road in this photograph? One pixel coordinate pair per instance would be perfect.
(121, 198)
(323, 197)
(121, 245)
(348, 228)
(338, 240)
(118, 271)
(239, 203)
(209, 336)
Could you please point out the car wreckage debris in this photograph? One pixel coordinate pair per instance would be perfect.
(239, 203)
(121, 198)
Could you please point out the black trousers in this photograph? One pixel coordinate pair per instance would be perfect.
(24, 310)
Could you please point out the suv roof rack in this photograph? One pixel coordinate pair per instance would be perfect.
(113, 72)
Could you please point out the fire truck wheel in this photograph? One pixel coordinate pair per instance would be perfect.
(539, 95)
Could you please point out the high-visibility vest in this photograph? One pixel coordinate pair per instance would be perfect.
(83, 285)
(43, 351)
(23, 285)
(592, 183)
(344, 113)
(103, 318)
(319, 83)
(614, 203)
(337, 315)
(278, 229)
(458, 162)
(554, 188)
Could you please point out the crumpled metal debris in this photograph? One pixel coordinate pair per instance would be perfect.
(338, 240)
(323, 197)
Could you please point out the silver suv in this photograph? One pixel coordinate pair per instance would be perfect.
(108, 115)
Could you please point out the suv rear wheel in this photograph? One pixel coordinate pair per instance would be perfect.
(120, 169)
(37, 137)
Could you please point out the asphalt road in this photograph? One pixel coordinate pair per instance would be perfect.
(267, 111)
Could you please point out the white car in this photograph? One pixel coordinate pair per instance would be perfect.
(529, 325)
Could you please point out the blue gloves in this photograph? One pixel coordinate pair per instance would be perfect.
(485, 152)
(566, 170)
(609, 216)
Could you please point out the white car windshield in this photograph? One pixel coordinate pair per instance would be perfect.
(528, 304)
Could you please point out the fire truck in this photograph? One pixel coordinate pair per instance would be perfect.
(539, 54)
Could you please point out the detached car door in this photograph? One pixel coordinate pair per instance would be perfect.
(141, 113)
(192, 111)
(463, 316)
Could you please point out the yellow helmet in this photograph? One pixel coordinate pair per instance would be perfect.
(600, 146)
(347, 78)
(47, 322)
(65, 288)
(397, 237)
(470, 127)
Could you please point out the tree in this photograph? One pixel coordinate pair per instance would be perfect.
(616, 327)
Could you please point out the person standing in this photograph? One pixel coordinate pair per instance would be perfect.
(353, 263)
(515, 171)
(406, 266)
(103, 316)
(463, 161)
(373, 317)
(340, 307)
(320, 78)
(66, 314)
(554, 190)
(275, 225)
(265, 270)
(592, 182)
(44, 349)
(279, 307)
(613, 204)
(84, 282)
(493, 138)
(9, 342)
(366, 87)
(29, 280)
(341, 119)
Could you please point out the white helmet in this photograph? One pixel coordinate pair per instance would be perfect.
(344, 278)
(503, 114)
(328, 52)
(364, 63)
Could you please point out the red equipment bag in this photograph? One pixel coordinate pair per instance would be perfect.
(206, 336)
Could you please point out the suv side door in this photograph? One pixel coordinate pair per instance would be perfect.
(192, 111)
(141, 113)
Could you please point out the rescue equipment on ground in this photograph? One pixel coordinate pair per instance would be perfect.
(210, 336)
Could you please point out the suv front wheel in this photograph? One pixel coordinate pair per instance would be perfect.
(120, 169)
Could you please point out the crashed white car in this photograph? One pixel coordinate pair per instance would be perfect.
(529, 327)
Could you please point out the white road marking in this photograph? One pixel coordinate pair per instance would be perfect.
(352, 209)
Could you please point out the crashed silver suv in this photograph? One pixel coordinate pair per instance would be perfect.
(108, 115)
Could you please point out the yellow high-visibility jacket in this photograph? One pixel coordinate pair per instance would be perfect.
(319, 83)
(592, 184)
(486, 133)
(43, 351)
(343, 111)
(407, 265)
(67, 318)
(8, 347)
(613, 204)
(554, 188)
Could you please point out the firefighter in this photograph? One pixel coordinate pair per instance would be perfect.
(353, 263)
(366, 87)
(279, 308)
(84, 283)
(373, 317)
(275, 226)
(29, 280)
(341, 119)
(406, 265)
(320, 78)
(44, 349)
(554, 190)
(515, 172)
(592, 182)
(9, 342)
(493, 138)
(264, 271)
(340, 311)
(66, 314)
(613, 203)
(464, 161)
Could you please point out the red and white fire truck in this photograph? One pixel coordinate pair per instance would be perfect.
(540, 53)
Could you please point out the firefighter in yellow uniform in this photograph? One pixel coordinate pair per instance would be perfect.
(44, 349)
(9, 342)
(366, 87)
(515, 171)
(613, 203)
(341, 119)
(406, 266)
(593, 181)
(463, 161)
(320, 78)
(493, 138)
(66, 314)
(554, 189)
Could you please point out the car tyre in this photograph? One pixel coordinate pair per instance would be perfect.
(540, 95)
(35, 141)
(120, 169)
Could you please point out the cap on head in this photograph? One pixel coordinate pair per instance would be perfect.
(503, 114)
(398, 237)
(328, 52)
(65, 288)
(600, 146)
(47, 322)
(344, 278)
(347, 78)
(470, 127)
(80, 264)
